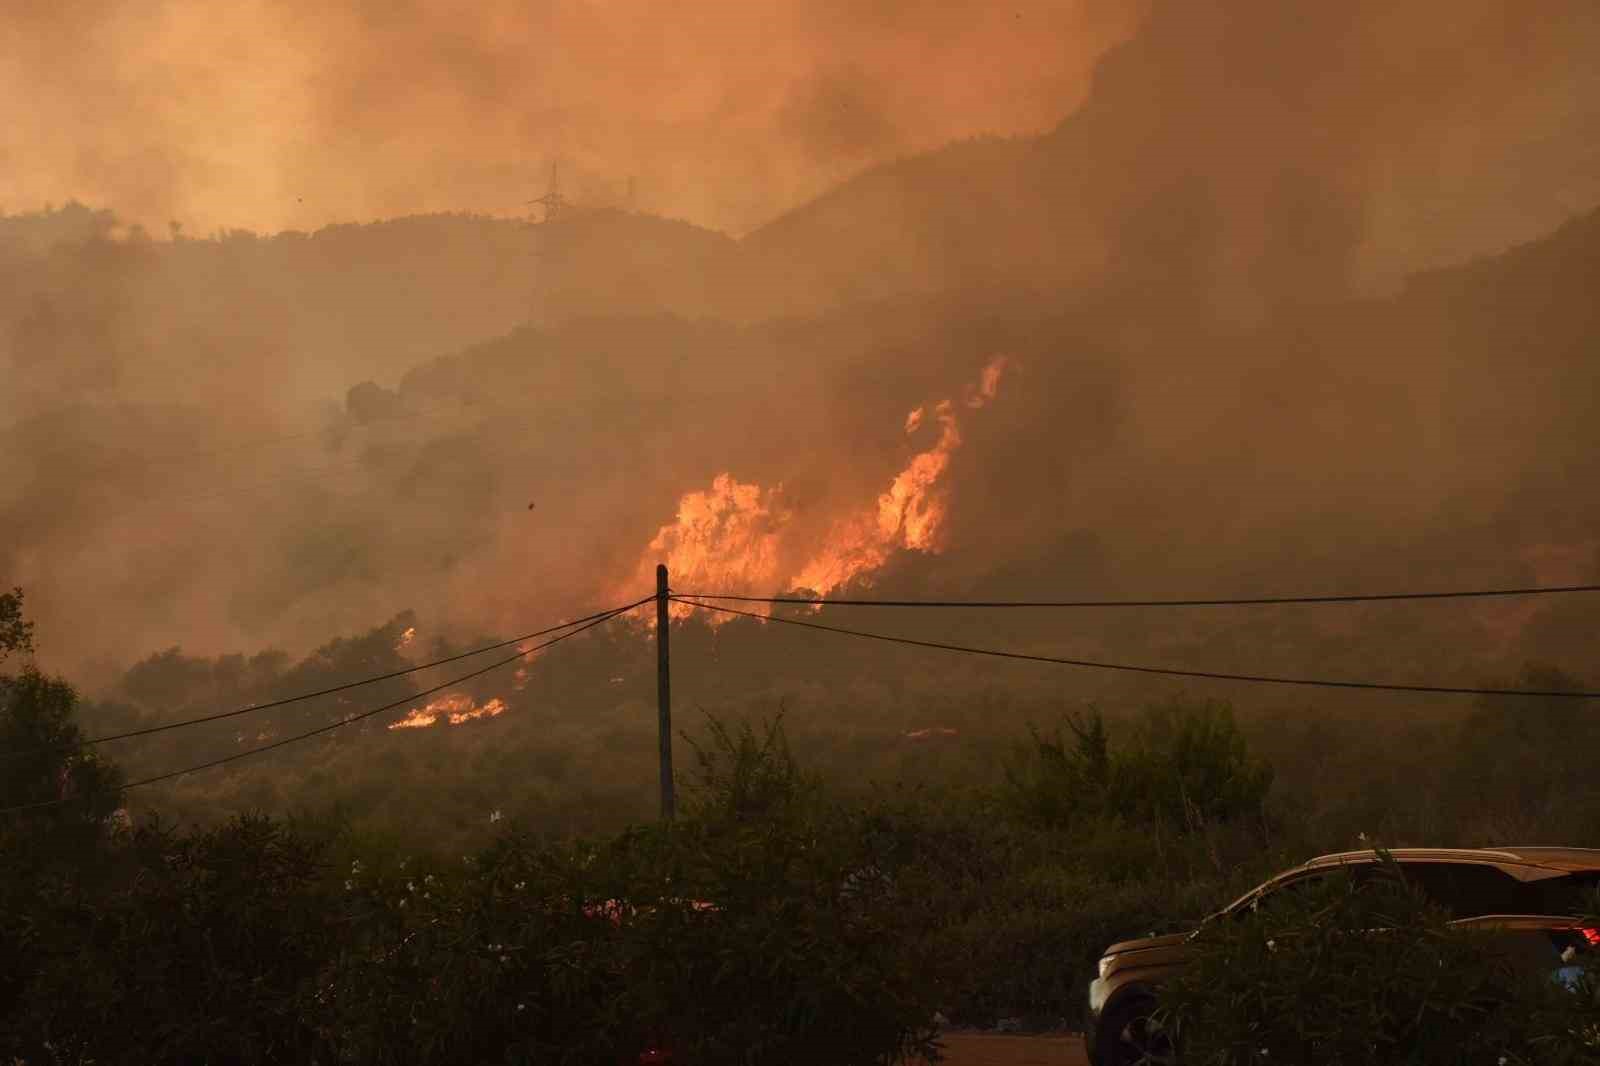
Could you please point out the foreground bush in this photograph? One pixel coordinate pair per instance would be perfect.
(179, 948)
(1368, 972)
(591, 953)
(755, 929)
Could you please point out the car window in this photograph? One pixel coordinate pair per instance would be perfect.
(1284, 893)
(1468, 890)
(1573, 894)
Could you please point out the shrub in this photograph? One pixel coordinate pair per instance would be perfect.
(589, 951)
(1189, 766)
(1185, 765)
(184, 948)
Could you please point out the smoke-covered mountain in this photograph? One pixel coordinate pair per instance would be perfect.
(1189, 293)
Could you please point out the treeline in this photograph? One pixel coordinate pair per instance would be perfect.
(575, 750)
(783, 916)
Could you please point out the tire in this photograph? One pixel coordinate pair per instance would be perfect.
(1132, 1036)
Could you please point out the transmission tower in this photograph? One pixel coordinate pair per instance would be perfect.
(555, 205)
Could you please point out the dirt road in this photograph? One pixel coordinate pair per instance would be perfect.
(988, 1049)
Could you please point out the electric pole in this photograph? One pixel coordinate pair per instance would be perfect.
(664, 691)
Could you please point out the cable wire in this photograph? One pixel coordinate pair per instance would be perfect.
(351, 720)
(346, 686)
(1236, 602)
(1168, 672)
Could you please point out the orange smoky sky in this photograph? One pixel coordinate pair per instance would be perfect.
(279, 114)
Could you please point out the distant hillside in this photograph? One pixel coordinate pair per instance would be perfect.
(84, 315)
(962, 215)
(1235, 157)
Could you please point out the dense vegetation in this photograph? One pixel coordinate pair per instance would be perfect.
(843, 916)
(1367, 971)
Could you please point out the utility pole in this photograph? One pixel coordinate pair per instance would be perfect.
(664, 691)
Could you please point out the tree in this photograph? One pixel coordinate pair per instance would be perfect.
(42, 755)
(16, 633)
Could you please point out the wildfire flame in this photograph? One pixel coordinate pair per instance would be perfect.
(729, 537)
(727, 533)
(453, 707)
(406, 638)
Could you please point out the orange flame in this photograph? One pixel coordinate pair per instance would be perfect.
(729, 537)
(454, 707)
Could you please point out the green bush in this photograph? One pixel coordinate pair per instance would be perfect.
(1185, 765)
(1188, 766)
(182, 948)
(513, 957)
(1364, 970)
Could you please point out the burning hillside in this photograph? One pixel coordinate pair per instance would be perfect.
(454, 707)
(742, 538)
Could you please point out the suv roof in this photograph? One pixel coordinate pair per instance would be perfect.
(1564, 859)
(1522, 863)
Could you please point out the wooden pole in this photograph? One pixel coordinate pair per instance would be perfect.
(664, 691)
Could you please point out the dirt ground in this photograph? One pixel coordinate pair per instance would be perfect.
(992, 1049)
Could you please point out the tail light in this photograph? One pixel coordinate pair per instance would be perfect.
(1591, 936)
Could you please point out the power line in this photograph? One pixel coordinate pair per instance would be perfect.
(346, 686)
(604, 617)
(1206, 674)
(1235, 602)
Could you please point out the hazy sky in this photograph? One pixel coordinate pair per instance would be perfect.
(272, 114)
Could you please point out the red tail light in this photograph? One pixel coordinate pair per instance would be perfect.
(1592, 936)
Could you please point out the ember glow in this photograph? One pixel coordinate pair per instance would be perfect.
(454, 707)
(731, 537)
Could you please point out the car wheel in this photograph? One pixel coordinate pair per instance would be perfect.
(1136, 1036)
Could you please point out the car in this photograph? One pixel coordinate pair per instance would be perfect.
(1517, 889)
